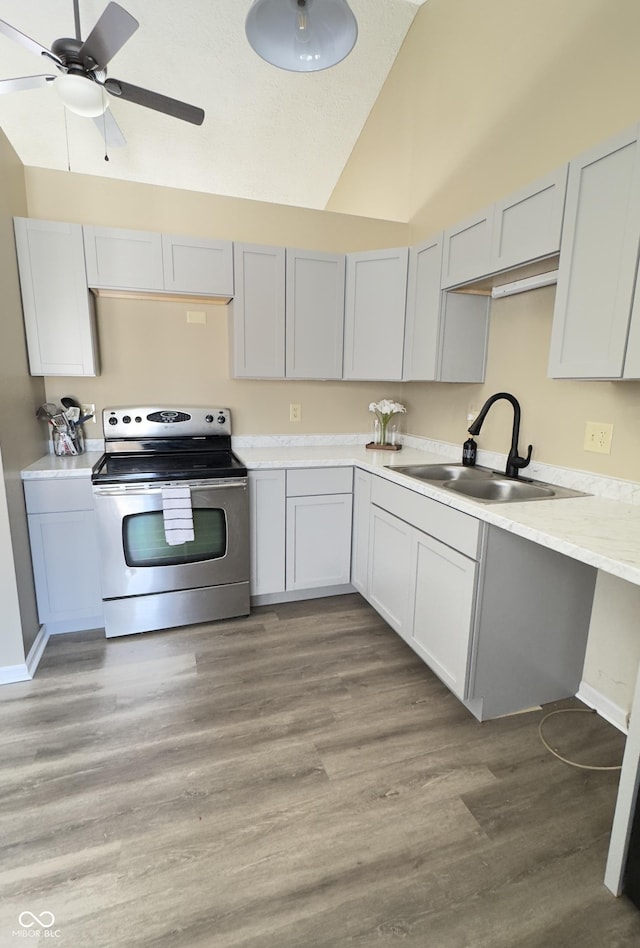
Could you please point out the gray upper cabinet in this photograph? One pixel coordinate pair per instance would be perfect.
(57, 306)
(528, 224)
(445, 333)
(258, 312)
(467, 249)
(199, 267)
(375, 302)
(143, 261)
(314, 314)
(123, 259)
(596, 278)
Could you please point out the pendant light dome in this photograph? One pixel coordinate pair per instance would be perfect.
(301, 35)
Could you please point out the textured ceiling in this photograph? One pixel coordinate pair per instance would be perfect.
(268, 135)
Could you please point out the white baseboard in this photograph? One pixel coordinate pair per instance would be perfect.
(296, 595)
(12, 673)
(606, 708)
(37, 650)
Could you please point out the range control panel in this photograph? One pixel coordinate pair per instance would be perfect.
(153, 421)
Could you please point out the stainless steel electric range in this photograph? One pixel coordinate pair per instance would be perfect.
(173, 519)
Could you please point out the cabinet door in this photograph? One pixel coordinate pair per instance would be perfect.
(57, 306)
(375, 301)
(123, 259)
(467, 249)
(423, 311)
(528, 224)
(464, 332)
(360, 537)
(267, 531)
(257, 312)
(442, 594)
(315, 314)
(390, 565)
(597, 268)
(318, 541)
(66, 567)
(200, 267)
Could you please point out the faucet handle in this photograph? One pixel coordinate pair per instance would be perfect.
(519, 462)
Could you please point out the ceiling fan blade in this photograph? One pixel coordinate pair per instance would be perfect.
(109, 35)
(24, 82)
(32, 45)
(109, 130)
(153, 100)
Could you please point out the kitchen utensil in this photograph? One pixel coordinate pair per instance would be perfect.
(46, 411)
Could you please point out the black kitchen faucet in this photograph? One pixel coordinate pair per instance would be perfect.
(514, 462)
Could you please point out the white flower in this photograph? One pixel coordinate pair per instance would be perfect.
(387, 407)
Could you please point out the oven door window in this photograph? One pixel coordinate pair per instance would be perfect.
(145, 544)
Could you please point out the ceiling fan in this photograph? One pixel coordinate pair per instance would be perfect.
(83, 65)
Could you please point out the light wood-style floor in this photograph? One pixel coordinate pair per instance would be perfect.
(296, 779)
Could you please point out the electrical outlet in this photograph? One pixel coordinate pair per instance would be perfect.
(597, 437)
(89, 410)
(294, 412)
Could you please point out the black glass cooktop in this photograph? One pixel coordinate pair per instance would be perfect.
(141, 466)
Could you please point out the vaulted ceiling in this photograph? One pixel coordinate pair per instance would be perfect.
(268, 135)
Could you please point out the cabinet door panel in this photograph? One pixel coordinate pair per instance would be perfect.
(598, 262)
(423, 311)
(257, 312)
(467, 249)
(528, 224)
(66, 565)
(390, 566)
(443, 596)
(315, 314)
(267, 529)
(200, 267)
(57, 306)
(123, 259)
(318, 541)
(375, 302)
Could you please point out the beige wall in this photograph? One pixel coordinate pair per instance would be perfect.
(22, 437)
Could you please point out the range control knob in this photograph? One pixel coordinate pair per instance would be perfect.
(209, 419)
(126, 419)
(138, 419)
(221, 419)
(113, 420)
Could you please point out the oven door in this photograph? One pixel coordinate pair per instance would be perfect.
(137, 560)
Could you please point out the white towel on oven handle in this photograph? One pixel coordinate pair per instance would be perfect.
(177, 515)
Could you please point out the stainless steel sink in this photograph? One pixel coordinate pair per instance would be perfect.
(483, 485)
(501, 490)
(444, 472)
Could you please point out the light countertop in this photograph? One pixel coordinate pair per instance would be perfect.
(602, 533)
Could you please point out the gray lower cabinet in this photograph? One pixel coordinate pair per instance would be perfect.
(360, 533)
(445, 333)
(502, 621)
(596, 321)
(267, 502)
(319, 512)
(58, 309)
(375, 303)
(64, 553)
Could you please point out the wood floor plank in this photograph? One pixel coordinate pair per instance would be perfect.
(294, 778)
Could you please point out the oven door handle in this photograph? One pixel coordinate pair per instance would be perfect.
(130, 490)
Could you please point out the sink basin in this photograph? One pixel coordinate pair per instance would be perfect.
(499, 490)
(484, 485)
(444, 472)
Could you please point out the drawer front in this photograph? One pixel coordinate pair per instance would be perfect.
(58, 494)
(304, 482)
(458, 530)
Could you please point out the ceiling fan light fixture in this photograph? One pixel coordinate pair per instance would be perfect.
(301, 35)
(81, 95)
